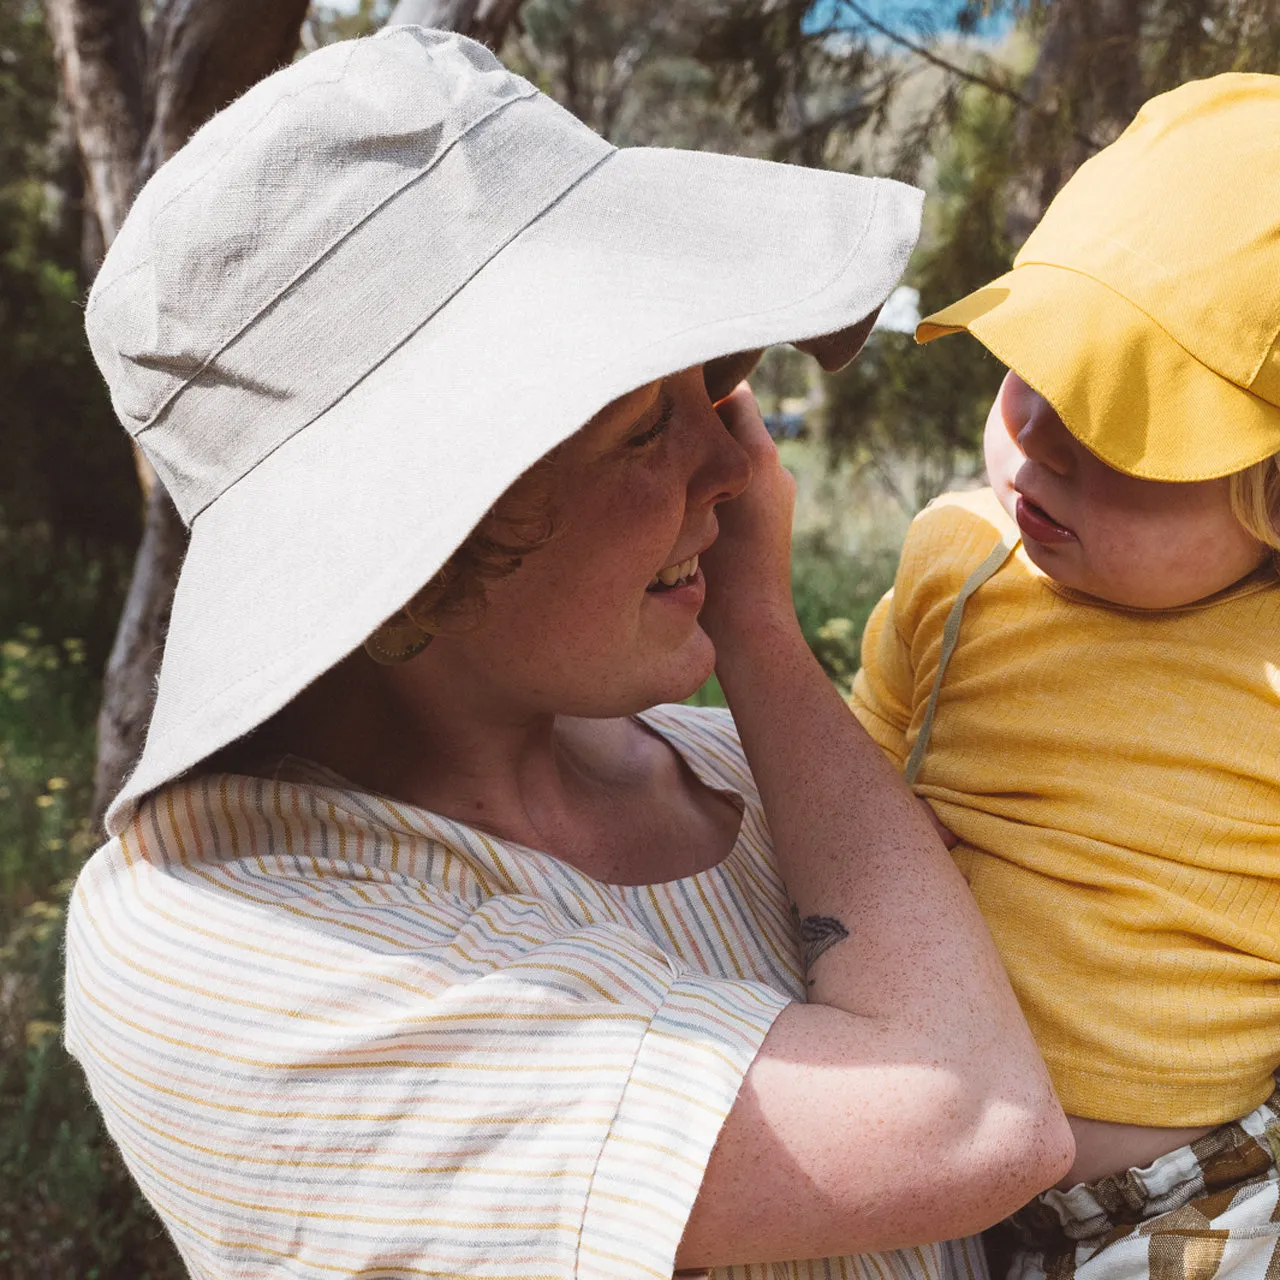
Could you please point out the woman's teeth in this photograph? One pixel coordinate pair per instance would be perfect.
(675, 574)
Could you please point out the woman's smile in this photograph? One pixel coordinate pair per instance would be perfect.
(674, 575)
(687, 591)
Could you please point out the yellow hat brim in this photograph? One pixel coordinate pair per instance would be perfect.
(1123, 387)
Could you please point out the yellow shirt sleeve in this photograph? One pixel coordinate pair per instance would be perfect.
(881, 696)
(945, 543)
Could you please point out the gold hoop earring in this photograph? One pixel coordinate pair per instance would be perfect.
(396, 641)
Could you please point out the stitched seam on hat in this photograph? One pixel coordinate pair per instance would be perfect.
(399, 341)
(1102, 284)
(1165, 274)
(329, 249)
(1266, 355)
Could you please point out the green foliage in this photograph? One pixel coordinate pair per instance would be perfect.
(834, 593)
(67, 1207)
(928, 405)
(66, 460)
(326, 23)
(68, 518)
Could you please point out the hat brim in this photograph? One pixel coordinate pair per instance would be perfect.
(1123, 387)
(656, 261)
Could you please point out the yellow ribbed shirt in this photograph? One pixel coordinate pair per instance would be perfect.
(1113, 776)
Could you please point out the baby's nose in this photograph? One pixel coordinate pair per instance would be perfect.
(1044, 438)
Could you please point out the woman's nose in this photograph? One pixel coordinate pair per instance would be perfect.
(1044, 438)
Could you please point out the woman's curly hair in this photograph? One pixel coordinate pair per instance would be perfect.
(520, 522)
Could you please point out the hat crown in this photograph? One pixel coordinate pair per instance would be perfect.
(270, 263)
(1181, 216)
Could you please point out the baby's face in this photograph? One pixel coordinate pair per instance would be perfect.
(1139, 543)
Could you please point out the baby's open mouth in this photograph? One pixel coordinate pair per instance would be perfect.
(674, 575)
(1035, 522)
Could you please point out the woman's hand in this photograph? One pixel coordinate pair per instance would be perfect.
(748, 570)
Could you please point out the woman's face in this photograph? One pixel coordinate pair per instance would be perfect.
(603, 619)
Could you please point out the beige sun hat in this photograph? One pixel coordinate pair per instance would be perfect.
(369, 294)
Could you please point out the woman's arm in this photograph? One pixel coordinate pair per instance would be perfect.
(906, 1102)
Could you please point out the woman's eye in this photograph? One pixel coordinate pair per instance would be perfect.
(653, 432)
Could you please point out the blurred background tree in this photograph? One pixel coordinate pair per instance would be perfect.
(990, 104)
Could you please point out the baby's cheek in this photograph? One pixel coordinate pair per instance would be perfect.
(1002, 457)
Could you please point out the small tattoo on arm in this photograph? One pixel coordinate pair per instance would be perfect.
(817, 934)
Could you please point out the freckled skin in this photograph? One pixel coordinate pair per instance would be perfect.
(517, 717)
(605, 646)
(1142, 544)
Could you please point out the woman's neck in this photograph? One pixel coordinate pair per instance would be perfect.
(603, 794)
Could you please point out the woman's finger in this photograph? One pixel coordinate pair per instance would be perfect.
(741, 415)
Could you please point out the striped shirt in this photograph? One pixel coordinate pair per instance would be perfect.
(335, 1035)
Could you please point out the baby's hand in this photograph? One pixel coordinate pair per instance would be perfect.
(748, 570)
(948, 837)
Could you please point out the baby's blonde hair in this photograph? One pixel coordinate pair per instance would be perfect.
(1255, 501)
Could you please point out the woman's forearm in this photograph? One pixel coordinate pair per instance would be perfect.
(906, 1101)
(889, 927)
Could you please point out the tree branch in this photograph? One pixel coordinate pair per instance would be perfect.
(962, 73)
(485, 20)
(205, 55)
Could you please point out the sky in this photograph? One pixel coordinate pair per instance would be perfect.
(905, 15)
(900, 14)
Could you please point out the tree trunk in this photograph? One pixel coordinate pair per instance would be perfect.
(203, 55)
(128, 686)
(485, 20)
(1088, 80)
(100, 49)
(135, 100)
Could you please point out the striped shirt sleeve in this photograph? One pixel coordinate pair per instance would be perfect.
(317, 1074)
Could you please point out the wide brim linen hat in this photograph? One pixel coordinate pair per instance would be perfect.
(1144, 306)
(369, 294)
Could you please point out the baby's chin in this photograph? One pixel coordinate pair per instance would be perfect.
(1062, 565)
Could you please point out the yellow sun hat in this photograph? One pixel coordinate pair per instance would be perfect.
(1145, 307)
